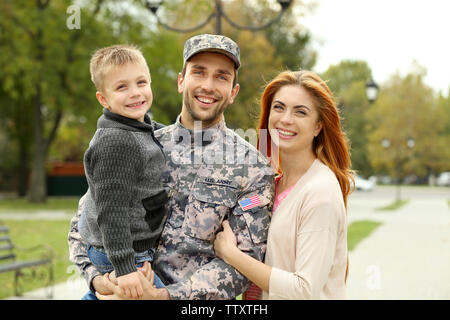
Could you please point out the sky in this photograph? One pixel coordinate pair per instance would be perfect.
(388, 34)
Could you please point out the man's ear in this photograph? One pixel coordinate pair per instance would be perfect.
(102, 100)
(180, 82)
(234, 93)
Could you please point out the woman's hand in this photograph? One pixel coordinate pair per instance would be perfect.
(225, 242)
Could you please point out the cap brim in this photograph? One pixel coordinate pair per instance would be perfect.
(217, 50)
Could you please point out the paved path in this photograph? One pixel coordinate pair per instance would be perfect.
(36, 215)
(73, 289)
(407, 257)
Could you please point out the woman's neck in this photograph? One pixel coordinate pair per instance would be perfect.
(294, 165)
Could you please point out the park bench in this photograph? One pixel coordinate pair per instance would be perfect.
(8, 253)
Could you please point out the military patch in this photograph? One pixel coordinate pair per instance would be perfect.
(251, 202)
(220, 182)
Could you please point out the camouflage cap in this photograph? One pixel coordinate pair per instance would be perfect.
(212, 43)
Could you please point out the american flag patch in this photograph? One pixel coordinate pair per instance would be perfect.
(248, 203)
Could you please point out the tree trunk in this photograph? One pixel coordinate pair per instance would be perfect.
(23, 170)
(38, 182)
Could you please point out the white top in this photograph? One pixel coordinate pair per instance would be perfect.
(307, 241)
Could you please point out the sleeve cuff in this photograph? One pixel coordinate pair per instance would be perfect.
(277, 280)
(89, 274)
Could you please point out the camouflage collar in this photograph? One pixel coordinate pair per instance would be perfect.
(206, 136)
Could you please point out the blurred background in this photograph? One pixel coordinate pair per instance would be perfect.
(387, 65)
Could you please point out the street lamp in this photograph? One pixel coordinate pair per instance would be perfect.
(218, 13)
(371, 90)
(410, 142)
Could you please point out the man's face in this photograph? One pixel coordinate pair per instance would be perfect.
(207, 88)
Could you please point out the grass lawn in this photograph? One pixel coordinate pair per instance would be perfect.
(358, 230)
(29, 233)
(397, 204)
(53, 203)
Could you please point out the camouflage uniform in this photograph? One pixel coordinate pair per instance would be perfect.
(203, 191)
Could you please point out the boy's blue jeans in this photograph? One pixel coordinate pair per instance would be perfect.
(100, 260)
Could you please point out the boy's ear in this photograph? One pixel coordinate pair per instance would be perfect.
(101, 99)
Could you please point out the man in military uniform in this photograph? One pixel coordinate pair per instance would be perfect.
(212, 174)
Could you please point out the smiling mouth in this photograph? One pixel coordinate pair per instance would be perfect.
(205, 100)
(136, 105)
(285, 133)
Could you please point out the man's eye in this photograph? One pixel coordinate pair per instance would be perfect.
(120, 87)
(142, 82)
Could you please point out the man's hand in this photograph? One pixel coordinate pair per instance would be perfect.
(130, 285)
(100, 286)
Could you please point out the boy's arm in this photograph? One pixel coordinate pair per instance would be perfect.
(116, 163)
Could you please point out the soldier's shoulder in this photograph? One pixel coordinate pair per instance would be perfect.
(164, 131)
(250, 149)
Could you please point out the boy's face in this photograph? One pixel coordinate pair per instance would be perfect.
(126, 91)
(207, 88)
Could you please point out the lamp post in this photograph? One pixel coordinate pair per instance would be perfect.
(218, 13)
(371, 90)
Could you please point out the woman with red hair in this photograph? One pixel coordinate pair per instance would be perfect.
(300, 131)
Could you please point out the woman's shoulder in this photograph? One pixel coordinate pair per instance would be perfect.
(321, 178)
(322, 195)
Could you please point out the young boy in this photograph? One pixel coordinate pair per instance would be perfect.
(125, 207)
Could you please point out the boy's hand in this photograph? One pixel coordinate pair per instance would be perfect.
(130, 285)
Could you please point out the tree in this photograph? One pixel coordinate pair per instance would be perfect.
(347, 81)
(49, 109)
(44, 72)
(443, 111)
(406, 109)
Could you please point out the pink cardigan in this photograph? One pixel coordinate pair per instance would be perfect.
(307, 242)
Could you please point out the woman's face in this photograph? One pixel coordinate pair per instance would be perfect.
(293, 119)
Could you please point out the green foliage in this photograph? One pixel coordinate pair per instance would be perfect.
(347, 81)
(163, 52)
(407, 108)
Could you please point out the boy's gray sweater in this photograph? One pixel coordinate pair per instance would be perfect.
(124, 210)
